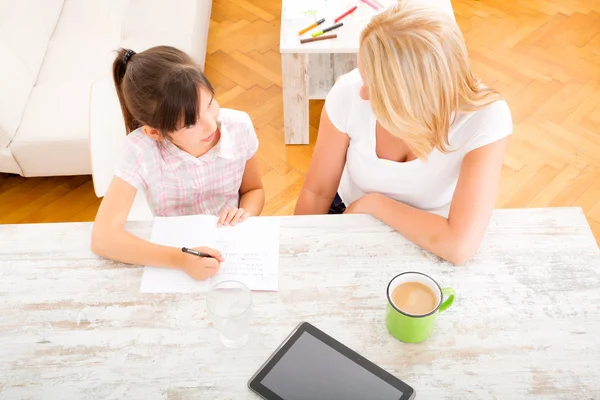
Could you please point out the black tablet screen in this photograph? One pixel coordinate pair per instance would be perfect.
(312, 370)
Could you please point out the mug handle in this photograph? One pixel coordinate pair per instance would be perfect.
(449, 294)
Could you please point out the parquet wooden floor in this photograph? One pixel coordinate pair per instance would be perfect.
(543, 55)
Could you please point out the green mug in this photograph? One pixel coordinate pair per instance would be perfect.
(413, 328)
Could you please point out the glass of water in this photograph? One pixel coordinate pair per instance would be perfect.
(229, 306)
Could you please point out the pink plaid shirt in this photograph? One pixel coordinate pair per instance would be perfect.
(176, 183)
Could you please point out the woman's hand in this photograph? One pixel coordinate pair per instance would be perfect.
(200, 268)
(364, 205)
(232, 216)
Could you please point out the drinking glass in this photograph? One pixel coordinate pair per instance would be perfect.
(229, 306)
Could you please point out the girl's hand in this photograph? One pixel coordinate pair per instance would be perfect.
(232, 216)
(201, 268)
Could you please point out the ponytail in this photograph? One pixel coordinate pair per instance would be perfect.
(119, 70)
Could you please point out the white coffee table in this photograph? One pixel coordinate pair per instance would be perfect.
(310, 70)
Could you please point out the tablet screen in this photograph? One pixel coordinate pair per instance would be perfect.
(311, 369)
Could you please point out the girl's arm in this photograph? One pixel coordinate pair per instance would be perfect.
(457, 237)
(111, 240)
(325, 171)
(252, 195)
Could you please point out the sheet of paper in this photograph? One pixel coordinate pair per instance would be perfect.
(250, 249)
(251, 252)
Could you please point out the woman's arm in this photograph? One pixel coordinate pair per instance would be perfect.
(325, 171)
(111, 240)
(252, 195)
(457, 237)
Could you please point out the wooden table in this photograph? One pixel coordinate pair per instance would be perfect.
(309, 70)
(526, 322)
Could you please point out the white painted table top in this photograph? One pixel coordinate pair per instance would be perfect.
(525, 324)
(298, 14)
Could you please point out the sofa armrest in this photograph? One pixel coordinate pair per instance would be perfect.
(107, 133)
(107, 136)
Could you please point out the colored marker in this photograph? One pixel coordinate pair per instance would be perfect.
(308, 28)
(378, 3)
(344, 14)
(370, 4)
(332, 27)
(315, 39)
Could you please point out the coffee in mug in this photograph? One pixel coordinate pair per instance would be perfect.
(414, 301)
(414, 298)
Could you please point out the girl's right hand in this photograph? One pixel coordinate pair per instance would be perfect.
(201, 268)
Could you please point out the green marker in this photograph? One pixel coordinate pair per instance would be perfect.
(332, 27)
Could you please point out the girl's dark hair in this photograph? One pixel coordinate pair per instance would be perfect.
(158, 87)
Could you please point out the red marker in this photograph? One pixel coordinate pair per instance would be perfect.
(344, 14)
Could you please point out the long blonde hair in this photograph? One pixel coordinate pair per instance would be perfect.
(418, 75)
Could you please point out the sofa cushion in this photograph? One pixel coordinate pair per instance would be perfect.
(8, 163)
(25, 29)
(56, 111)
(59, 157)
(85, 40)
(182, 24)
(14, 93)
(53, 136)
(89, 32)
(78, 58)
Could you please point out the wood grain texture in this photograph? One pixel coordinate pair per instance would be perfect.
(324, 69)
(525, 322)
(295, 98)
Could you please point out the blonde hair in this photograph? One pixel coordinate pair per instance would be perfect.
(418, 75)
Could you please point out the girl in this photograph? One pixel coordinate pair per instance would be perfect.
(411, 137)
(183, 151)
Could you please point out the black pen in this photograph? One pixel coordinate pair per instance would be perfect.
(196, 253)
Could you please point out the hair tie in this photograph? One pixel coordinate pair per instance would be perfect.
(127, 56)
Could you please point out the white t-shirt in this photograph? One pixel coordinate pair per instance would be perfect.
(426, 185)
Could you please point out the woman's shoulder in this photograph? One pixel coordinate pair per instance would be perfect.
(341, 101)
(351, 78)
(497, 111)
(486, 125)
(491, 118)
(348, 84)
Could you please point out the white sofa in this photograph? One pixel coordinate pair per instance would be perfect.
(53, 53)
(107, 136)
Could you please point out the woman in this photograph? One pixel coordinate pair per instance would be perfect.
(411, 137)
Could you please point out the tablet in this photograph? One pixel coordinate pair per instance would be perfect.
(310, 364)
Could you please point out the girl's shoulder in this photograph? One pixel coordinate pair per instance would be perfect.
(137, 153)
(233, 117)
(237, 133)
(236, 122)
(138, 145)
(138, 139)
